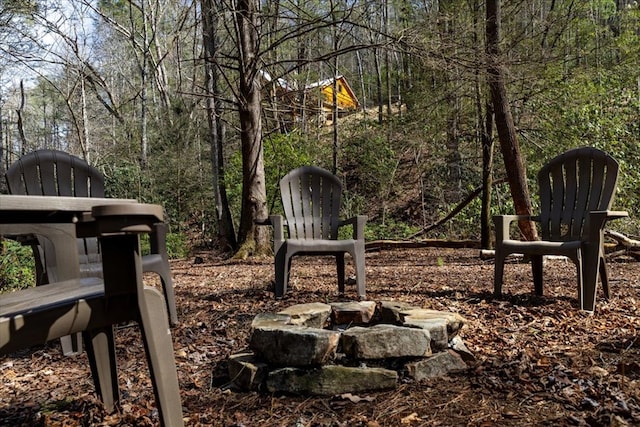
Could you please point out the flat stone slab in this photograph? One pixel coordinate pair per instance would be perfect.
(312, 315)
(290, 345)
(353, 313)
(390, 311)
(385, 341)
(437, 365)
(270, 320)
(246, 371)
(437, 331)
(330, 380)
(454, 320)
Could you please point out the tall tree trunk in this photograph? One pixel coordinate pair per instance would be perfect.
(144, 76)
(85, 142)
(485, 135)
(453, 188)
(252, 239)
(516, 174)
(334, 124)
(387, 62)
(487, 175)
(363, 96)
(19, 110)
(334, 105)
(224, 220)
(3, 160)
(376, 60)
(454, 158)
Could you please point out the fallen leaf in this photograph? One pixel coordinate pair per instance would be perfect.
(410, 418)
(357, 399)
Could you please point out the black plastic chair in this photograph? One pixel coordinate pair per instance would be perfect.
(576, 192)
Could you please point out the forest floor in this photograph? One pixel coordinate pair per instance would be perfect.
(539, 360)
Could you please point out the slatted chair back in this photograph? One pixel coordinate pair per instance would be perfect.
(57, 173)
(54, 173)
(311, 201)
(571, 185)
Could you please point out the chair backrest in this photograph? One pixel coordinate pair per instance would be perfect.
(311, 202)
(572, 184)
(54, 173)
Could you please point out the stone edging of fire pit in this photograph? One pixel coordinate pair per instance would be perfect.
(348, 347)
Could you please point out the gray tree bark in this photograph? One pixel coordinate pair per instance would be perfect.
(224, 220)
(252, 239)
(516, 174)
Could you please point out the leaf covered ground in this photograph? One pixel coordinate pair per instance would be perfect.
(539, 360)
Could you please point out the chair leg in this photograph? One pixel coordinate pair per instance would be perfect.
(358, 260)
(170, 297)
(340, 270)
(71, 344)
(536, 270)
(156, 336)
(498, 273)
(604, 278)
(281, 265)
(588, 278)
(102, 361)
(160, 266)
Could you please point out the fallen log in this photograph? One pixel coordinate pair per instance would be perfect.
(624, 246)
(623, 240)
(486, 254)
(427, 243)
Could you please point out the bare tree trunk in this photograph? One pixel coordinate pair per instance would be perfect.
(144, 76)
(376, 60)
(487, 175)
(334, 107)
(516, 174)
(85, 142)
(334, 97)
(252, 239)
(485, 130)
(226, 232)
(23, 138)
(363, 98)
(385, 18)
(4, 157)
(454, 158)
(334, 123)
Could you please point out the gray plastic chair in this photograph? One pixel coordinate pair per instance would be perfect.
(56, 173)
(311, 200)
(92, 306)
(576, 192)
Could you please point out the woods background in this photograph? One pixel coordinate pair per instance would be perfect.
(202, 106)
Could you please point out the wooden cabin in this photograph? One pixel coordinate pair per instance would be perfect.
(346, 99)
(315, 99)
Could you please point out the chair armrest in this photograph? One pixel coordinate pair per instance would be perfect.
(278, 223)
(596, 220)
(126, 218)
(359, 222)
(158, 240)
(616, 214)
(266, 221)
(503, 224)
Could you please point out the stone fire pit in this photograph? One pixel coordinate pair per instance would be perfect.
(328, 349)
